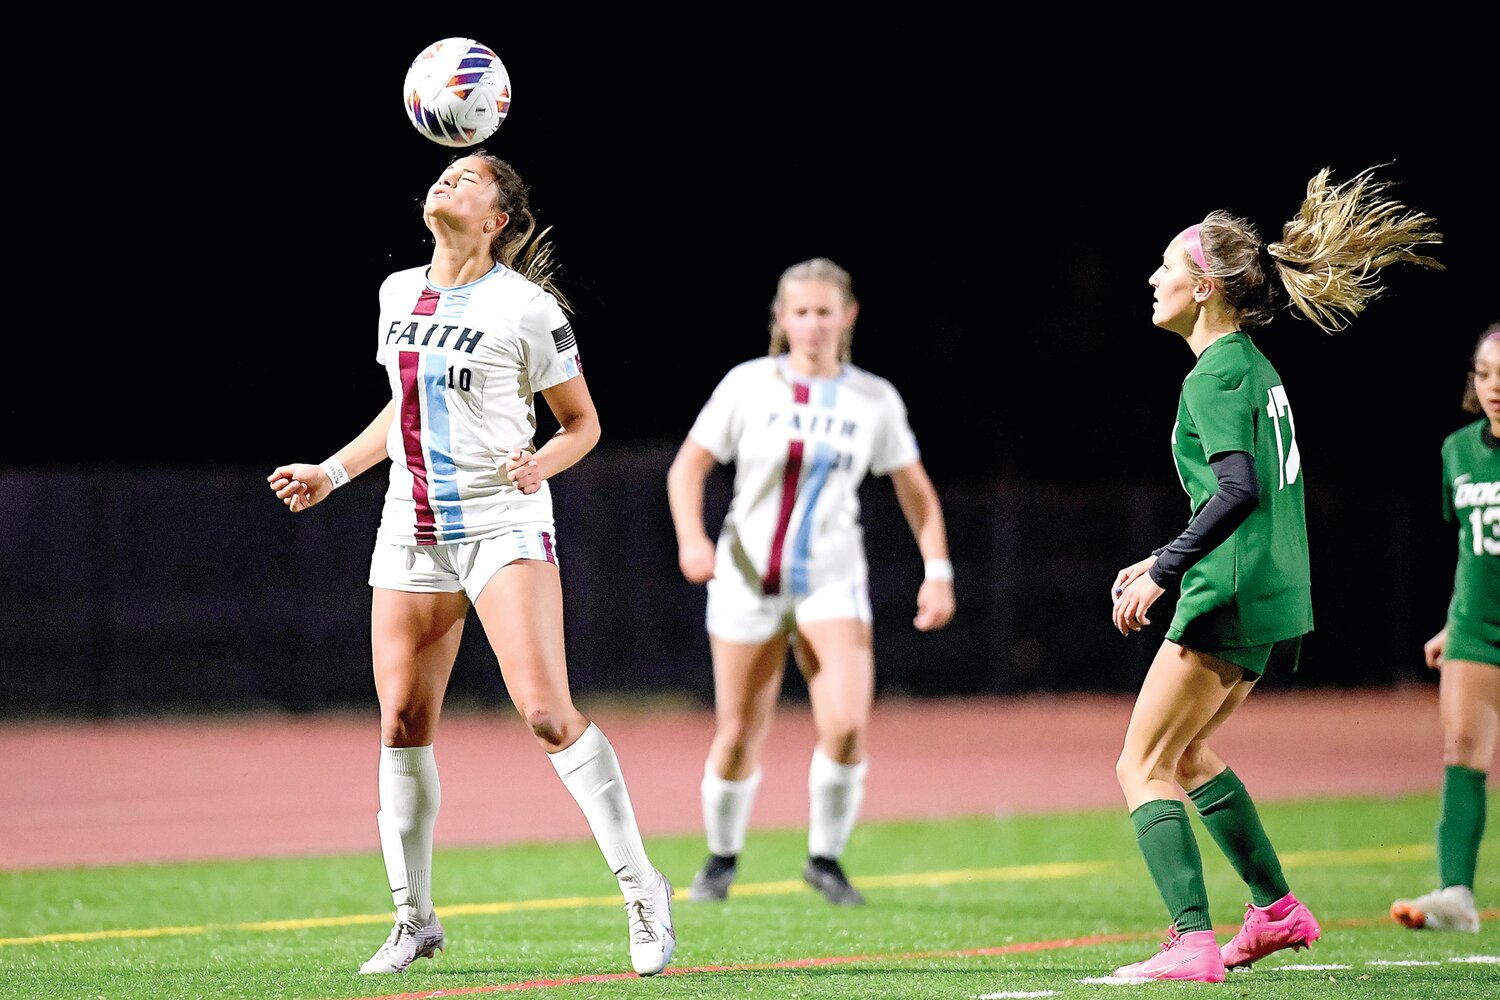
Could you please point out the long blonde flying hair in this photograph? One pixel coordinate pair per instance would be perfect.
(1329, 258)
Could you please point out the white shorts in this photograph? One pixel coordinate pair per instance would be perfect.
(455, 566)
(740, 612)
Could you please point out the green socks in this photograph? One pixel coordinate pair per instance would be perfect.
(1171, 853)
(1460, 825)
(1230, 816)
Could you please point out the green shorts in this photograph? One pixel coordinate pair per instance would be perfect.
(1463, 646)
(1283, 654)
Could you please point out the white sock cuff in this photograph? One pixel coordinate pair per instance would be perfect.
(825, 769)
(713, 782)
(408, 761)
(588, 746)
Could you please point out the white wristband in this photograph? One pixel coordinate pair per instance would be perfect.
(938, 569)
(337, 474)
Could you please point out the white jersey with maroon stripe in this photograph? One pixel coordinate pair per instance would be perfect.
(801, 447)
(464, 364)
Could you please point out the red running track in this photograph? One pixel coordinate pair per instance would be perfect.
(238, 787)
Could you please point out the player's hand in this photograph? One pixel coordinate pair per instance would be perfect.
(1127, 576)
(1433, 648)
(522, 470)
(300, 486)
(935, 605)
(696, 560)
(1132, 601)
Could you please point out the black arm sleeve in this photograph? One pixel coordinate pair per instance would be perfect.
(1239, 492)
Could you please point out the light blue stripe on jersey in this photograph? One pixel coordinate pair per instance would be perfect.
(824, 457)
(442, 473)
(454, 304)
(828, 393)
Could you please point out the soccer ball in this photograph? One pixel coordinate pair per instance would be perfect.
(457, 92)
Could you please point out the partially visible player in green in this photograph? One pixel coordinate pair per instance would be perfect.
(1241, 565)
(1467, 650)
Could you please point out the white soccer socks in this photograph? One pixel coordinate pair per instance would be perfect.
(835, 792)
(409, 800)
(592, 775)
(726, 811)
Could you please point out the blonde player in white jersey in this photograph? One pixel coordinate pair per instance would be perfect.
(467, 342)
(803, 428)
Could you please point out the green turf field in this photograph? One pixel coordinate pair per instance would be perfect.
(1025, 905)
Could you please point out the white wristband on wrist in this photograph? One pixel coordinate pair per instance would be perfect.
(337, 474)
(938, 569)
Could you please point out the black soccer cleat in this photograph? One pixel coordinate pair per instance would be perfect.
(711, 884)
(825, 875)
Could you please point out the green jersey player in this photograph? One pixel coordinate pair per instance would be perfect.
(1253, 590)
(1467, 650)
(1241, 563)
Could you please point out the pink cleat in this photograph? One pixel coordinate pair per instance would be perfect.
(1286, 923)
(1193, 956)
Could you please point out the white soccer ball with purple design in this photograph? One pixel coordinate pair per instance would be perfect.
(457, 92)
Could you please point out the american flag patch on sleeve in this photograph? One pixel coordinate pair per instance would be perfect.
(563, 338)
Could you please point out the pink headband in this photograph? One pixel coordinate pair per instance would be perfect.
(1194, 249)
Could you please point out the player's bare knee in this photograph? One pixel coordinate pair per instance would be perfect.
(732, 755)
(546, 727)
(1132, 772)
(1463, 748)
(844, 742)
(1194, 767)
(732, 730)
(732, 745)
(406, 727)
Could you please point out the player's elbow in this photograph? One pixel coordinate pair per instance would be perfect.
(1249, 492)
(585, 430)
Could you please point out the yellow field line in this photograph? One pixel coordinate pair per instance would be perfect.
(1359, 856)
(1015, 873)
(144, 932)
